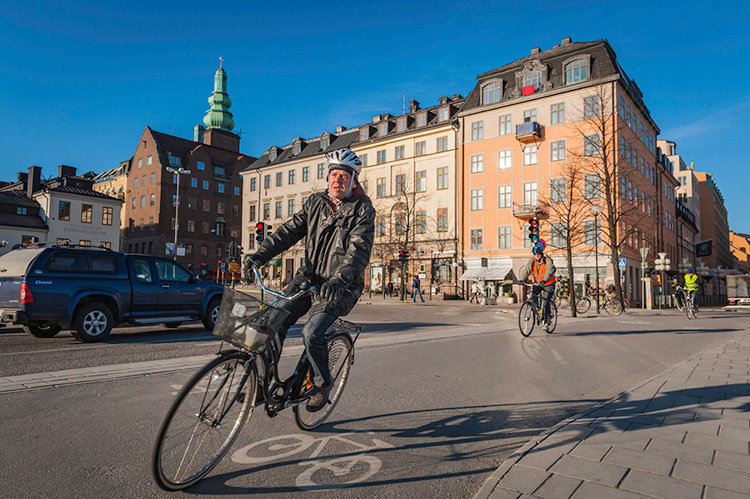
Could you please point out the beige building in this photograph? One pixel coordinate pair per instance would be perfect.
(114, 183)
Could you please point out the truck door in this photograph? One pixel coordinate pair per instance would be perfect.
(178, 292)
(145, 288)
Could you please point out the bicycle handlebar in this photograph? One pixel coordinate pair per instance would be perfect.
(278, 294)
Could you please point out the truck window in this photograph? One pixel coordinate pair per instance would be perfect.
(143, 271)
(170, 271)
(104, 263)
(68, 261)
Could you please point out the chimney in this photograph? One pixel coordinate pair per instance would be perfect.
(23, 177)
(535, 50)
(413, 106)
(566, 41)
(340, 129)
(66, 171)
(34, 180)
(198, 133)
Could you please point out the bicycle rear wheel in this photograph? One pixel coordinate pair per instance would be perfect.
(583, 305)
(526, 318)
(613, 306)
(340, 358)
(203, 421)
(552, 320)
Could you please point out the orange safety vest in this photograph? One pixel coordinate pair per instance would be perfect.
(540, 270)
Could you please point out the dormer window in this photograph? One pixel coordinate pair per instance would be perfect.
(383, 129)
(174, 160)
(492, 92)
(422, 119)
(576, 71)
(364, 134)
(325, 142)
(272, 154)
(296, 148)
(533, 78)
(443, 114)
(401, 125)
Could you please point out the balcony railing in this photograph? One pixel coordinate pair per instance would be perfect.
(521, 210)
(529, 131)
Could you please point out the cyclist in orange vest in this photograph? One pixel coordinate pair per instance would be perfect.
(542, 270)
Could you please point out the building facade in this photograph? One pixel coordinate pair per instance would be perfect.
(114, 183)
(739, 244)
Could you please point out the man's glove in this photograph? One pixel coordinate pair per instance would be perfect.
(332, 290)
(253, 259)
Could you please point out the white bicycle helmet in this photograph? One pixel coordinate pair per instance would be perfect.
(345, 159)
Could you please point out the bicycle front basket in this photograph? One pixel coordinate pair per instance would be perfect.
(247, 322)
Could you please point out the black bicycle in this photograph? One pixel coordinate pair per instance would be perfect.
(532, 312)
(211, 408)
(691, 309)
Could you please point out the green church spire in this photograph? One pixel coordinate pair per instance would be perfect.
(219, 116)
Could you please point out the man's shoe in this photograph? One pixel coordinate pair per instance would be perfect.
(319, 398)
(546, 328)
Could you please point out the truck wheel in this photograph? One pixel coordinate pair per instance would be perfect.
(172, 325)
(92, 322)
(212, 313)
(43, 331)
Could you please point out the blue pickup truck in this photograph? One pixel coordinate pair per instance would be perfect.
(91, 290)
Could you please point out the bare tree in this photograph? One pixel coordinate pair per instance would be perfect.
(626, 215)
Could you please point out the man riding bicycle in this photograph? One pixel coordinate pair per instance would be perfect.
(542, 269)
(691, 286)
(338, 226)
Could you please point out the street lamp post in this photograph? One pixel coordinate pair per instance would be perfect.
(704, 272)
(177, 171)
(661, 264)
(596, 210)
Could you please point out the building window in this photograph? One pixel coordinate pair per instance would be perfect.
(443, 114)
(492, 92)
(400, 184)
(140, 163)
(504, 240)
(558, 231)
(529, 116)
(557, 150)
(149, 160)
(204, 250)
(305, 173)
(191, 225)
(363, 158)
(220, 207)
(476, 239)
(267, 182)
(135, 183)
(297, 147)
(591, 107)
(477, 163)
(107, 214)
(252, 184)
(422, 119)
(442, 178)
(206, 205)
(420, 222)
(87, 212)
(505, 124)
(192, 202)
(442, 220)
(188, 249)
(420, 181)
(194, 183)
(174, 160)
(383, 129)
(477, 130)
(503, 196)
(399, 152)
(591, 145)
(591, 232)
(401, 124)
(133, 202)
(153, 178)
(477, 199)
(221, 188)
(557, 113)
(321, 170)
(279, 179)
(530, 193)
(380, 225)
(504, 159)
(420, 148)
(277, 211)
(530, 154)
(266, 211)
(84, 243)
(532, 78)
(251, 212)
(381, 156)
(441, 144)
(557, 190)
(220, 171)
(236, 191)
(364, 134)
(201, 165)
(400, 224)
(576, 71)
(20, 210)
(205, 185)
(143, 201)
(380, 188)
(290, 207)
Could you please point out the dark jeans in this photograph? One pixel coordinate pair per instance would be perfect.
(547, 292)
(313, 335)
(414, 295)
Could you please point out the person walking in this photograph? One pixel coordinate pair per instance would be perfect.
(416, 285)
(475, 292)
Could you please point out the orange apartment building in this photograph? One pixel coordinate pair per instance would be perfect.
(523, 128)
(740, 245)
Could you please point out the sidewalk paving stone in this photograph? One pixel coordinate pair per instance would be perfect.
(735, 481)
(660, 486)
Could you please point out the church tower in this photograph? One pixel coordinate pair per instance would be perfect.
(218, 119)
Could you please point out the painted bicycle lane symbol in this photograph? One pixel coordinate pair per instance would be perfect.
(354, 465)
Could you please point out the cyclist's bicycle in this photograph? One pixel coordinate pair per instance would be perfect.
(557, 295)
(532, 312)
(611, 304)
(211, 408)
(690, 308)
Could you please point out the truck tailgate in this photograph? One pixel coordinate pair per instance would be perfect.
(10, 292)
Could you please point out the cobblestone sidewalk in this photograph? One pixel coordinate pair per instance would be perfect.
(683, 434)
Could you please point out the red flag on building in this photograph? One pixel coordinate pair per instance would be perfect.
(527, 90)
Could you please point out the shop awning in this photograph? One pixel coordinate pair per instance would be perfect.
(275, 261)
(487, 274)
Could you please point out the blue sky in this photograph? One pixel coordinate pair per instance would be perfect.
(80, 80)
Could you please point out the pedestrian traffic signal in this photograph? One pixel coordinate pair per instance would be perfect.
(260, 231)
(534, 229)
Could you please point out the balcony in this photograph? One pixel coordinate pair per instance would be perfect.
(530, 131)
(526, 211)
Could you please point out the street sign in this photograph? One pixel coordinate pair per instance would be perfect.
(621, 263)
(170, 249)
(180, 251)
(234, 267)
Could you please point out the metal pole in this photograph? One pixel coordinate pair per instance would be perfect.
(596, 259)
(176, 214)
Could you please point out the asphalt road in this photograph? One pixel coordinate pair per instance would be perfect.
(425, 418)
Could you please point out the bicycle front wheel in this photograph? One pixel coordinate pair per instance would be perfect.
(526, 318)
(613, 306)
(583, 305)
(204, 420)
(340, 358)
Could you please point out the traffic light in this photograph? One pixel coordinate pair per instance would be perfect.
(565, 286)
(230, 249)
(534, 229)
(403, 256)
(260, 231)
(268, 230)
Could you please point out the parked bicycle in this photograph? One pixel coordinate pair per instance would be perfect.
(532, 313)
(611, 304)
(211, 408)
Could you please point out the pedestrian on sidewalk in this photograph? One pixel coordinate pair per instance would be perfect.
(417, 289)
(475, 292)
